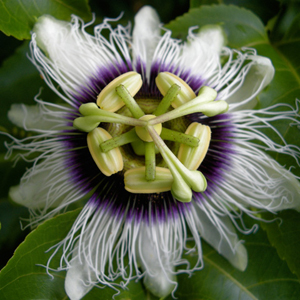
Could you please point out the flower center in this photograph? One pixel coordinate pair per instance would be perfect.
(146, 134)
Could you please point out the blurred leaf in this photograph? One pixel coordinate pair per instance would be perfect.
(265, 10)
(10, 174)
(10, 45)
(20, 82)
(284, 235)
(266, 277)
(17, 18)
(11, 234)
(243, 28)
(288, 15)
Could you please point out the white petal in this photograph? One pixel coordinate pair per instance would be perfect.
(155, 261)
(214, 36)
(146, 35)
(221, 234)
(289, 183)
(30, 117)
(274, 186)
(258, 74)
(200, 56)
(73, 57)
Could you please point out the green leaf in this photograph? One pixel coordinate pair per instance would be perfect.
(22, 278)
(242, 27)
(133, 291)
(266, 277)
(11, 233)
(18, 17)
(284, 235)
(264, 9)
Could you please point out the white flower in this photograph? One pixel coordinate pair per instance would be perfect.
(148, 230)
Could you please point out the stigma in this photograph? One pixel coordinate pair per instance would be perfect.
(162, 150)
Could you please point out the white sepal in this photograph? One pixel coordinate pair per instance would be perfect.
(145, 35)
(78, 275)
(221, 234)
(31, 117)
(257, 75)
(156, 262)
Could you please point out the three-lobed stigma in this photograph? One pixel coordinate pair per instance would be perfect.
(150, 134)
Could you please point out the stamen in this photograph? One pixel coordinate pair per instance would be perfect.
(142, 132)
(192, 157)
(110, 162)
(118, 141)
(136, 182)
(203, 103)
(100, 115)
(176, 136)
(184, 179)
(129, 101)
(167, 100)
(165, 80)
(109, 100)
(150, 161)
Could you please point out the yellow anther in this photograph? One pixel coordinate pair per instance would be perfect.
(109, 162)
(143, 133)
(109, 100)
(165, 80)
(192, 157)
(136, 182)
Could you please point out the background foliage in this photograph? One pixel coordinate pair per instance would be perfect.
(273, 29)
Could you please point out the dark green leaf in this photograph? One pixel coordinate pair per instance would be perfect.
(11, 233)
(22, 278)
(284, 20)
(18, 17)
(266, 277)
(242, 27)
(284, 235)
(10, 174)
(197, 3)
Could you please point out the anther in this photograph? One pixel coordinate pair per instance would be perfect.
(109, 99)
(110, 162)
(165, 80)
